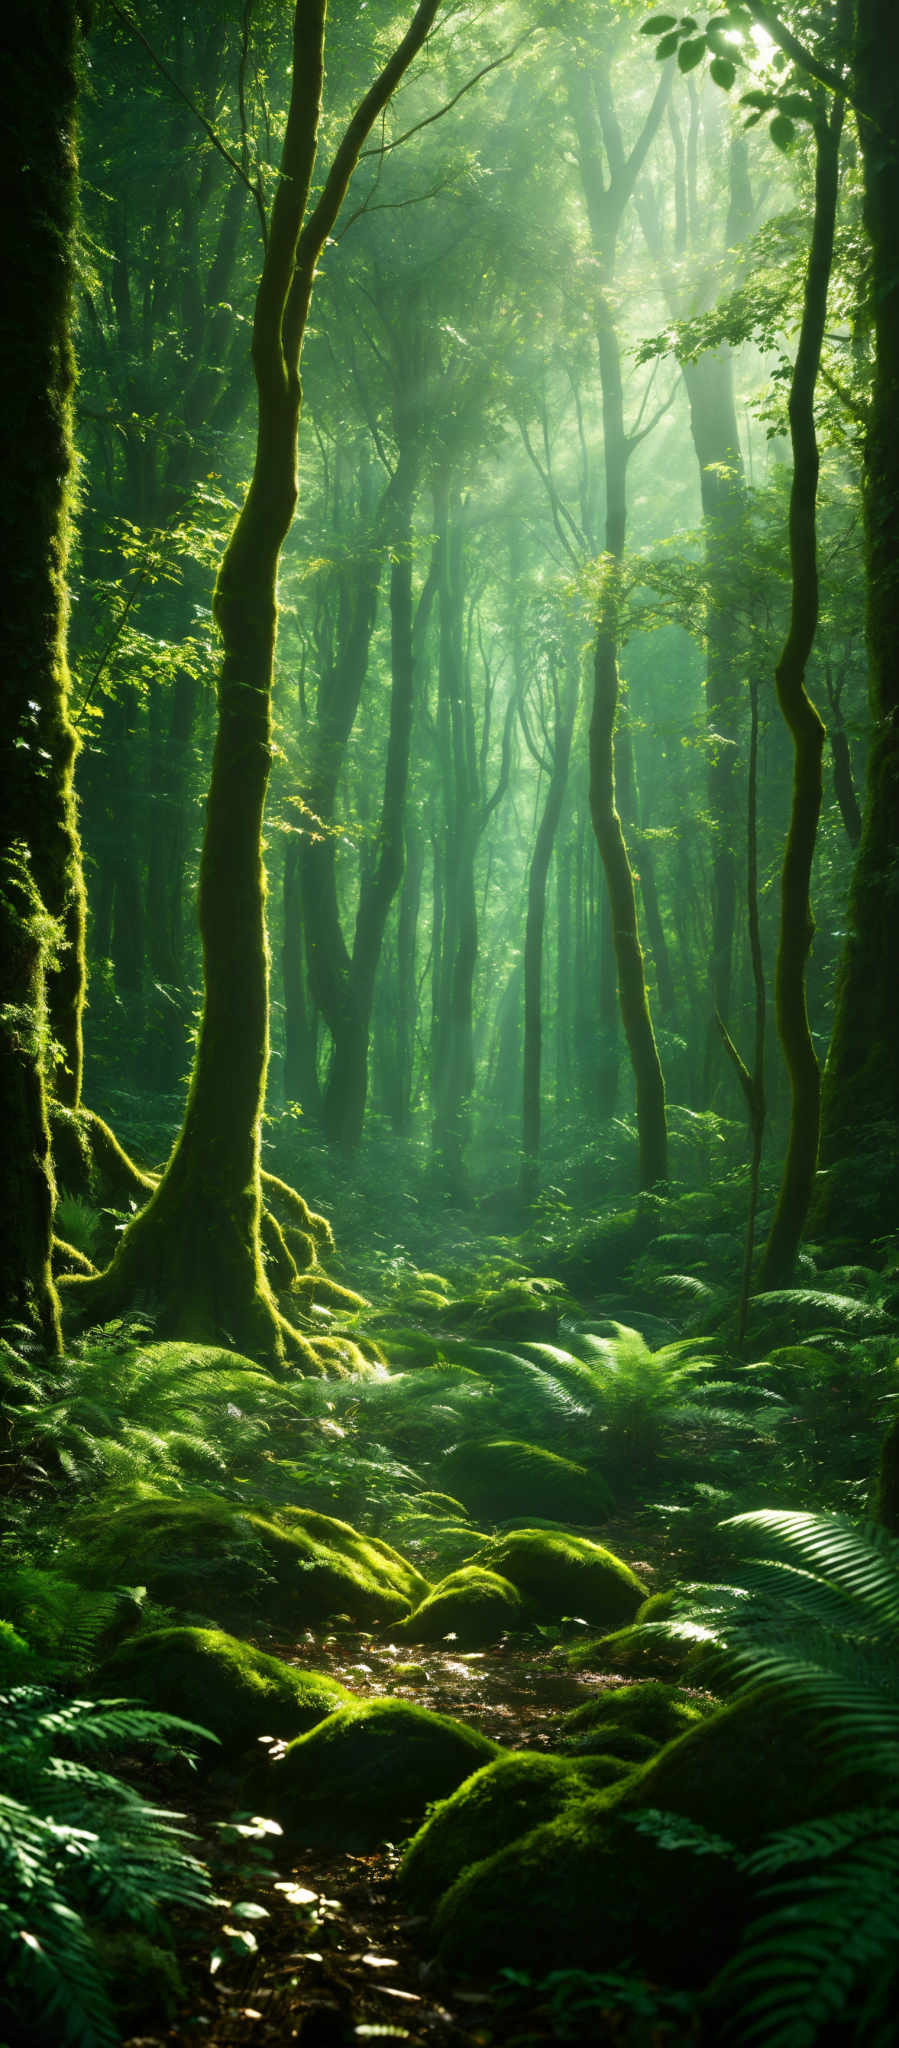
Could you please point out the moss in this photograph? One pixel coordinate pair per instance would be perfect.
(207, 1556)
(367, 1773)
(634, 1650)
(558, 1574)
(500, 1803)
(741, 1772)
(528, 1307)
(440, 1504)
(474, 1605)
(585, 1886)
(649, 1707)
(504, 1477)
(607, 1738)
(582, 1891)
(659, 1606)
(220, 1683)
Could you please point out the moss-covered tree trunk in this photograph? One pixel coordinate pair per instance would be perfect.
(806, 730)
(40, 876)
(194, 1253)
(860, 1121)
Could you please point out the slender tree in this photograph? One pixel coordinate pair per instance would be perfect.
(607, 195)
(805, 725)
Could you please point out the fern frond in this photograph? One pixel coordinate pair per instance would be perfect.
(864, 1561)
(825, 1935)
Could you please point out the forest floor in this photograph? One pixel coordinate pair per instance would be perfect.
(338, 1961)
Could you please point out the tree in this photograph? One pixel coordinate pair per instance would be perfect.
(196, 1251)
(861, 1087)
(41, 896)
(607, 195)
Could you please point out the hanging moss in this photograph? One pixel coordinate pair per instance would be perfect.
(220, 1683)
(367, 1773)
(558, 1574)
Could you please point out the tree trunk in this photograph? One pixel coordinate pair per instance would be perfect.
(566, 707)
(597, 130)
(40, 871)
(807, 731)
(861, 1087)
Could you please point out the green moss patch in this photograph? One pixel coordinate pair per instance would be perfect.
(505, 1477)
(499, 1804)
(206, 1556)
(474, 1605)
(648, 1708)
(223, 1684)
(582, 1891)
(367, 1773)
(558, 1574)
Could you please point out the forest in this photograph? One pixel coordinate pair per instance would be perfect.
(449, 1066)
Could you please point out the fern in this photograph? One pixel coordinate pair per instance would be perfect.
(81, 1848)
(813, 1629)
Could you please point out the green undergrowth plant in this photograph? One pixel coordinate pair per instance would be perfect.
(83, 1856)
(812, 1631)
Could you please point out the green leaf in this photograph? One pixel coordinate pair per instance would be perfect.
(762, 100)
(658, 25)
(796, 104)
(782, 131)
(723, 72)
(668, 44)
(691, 53)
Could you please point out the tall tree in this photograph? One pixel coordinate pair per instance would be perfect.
(861, 1088)
(609, 174)
(805, 725)
(41, 895)
(195, 1250)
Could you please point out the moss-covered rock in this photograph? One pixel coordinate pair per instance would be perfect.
(526, 1306)
(505, 1477)
(585, 1889)
(207, 1556)
(500, 1803)
(648, 1708)
(638, 1650)
(367, 1773)
(223, 1684)
(558, 1574)
(590, 1885)
(474, 1605)
(607, 1738)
